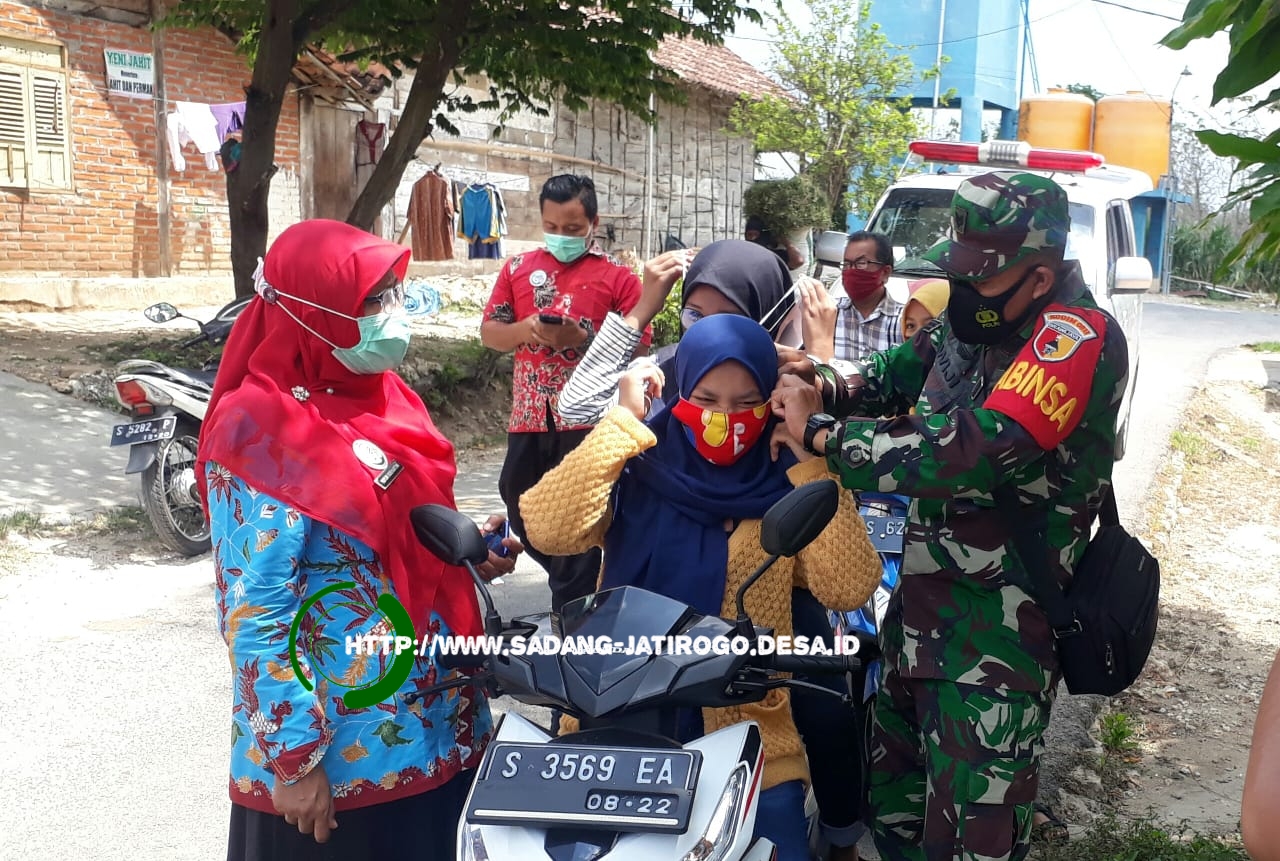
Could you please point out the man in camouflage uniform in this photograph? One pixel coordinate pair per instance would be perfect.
(1018, 384)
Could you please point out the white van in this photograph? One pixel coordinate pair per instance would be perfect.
(915, 213)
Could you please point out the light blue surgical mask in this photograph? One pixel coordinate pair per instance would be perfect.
(384, 341)
(384, 337)
(566, 249)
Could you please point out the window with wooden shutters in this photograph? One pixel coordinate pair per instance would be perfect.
(35, 143)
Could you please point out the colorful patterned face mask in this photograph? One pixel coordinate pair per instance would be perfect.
(722, 438)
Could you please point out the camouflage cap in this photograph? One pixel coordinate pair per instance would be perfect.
(998, 219)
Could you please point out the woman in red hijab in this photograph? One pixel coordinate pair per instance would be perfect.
(313, 453)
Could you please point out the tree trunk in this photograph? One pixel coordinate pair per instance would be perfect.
(249, 185)
(415, 121)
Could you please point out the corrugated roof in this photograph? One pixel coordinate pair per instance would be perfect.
(716, 68)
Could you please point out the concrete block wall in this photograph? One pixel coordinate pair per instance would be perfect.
(107, 224)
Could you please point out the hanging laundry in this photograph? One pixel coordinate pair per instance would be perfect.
(482, 220)
(229, 118)
(192, 123)
(368, 134)
(431, 218)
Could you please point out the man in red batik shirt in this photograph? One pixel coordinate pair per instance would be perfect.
(546, 306)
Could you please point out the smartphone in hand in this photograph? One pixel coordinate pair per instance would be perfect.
(494, 539)
(551, 319)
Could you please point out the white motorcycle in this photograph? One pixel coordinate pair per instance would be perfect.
(622, 787)
(166, 407)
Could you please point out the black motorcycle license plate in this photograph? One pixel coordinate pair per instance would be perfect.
(149, 430)
(612, 789)
(887, 532)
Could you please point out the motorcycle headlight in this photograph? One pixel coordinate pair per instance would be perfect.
(725, 822)
(471, 844)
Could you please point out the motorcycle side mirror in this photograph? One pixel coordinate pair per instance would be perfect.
(453, 538)
(162, 312)
(794, 521)
(790, 525)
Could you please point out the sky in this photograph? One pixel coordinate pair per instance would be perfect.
(1120, 52)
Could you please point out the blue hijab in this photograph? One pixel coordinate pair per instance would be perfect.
(671, 503)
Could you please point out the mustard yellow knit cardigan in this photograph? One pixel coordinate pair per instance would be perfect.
(568, 512)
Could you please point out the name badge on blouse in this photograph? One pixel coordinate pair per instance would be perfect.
(375, 458)
(538, 278)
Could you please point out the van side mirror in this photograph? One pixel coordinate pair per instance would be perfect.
(1131, 275)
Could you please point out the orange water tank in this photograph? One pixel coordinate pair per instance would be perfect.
(1056, 120)
(1133, 130)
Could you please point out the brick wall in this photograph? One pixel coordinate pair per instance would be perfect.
(107, 224)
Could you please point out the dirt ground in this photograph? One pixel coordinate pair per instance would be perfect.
(1215, 527)
(466, 388)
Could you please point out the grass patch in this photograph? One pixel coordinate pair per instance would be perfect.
(1141, 840)
(124, 519)
(1118, 733)
(1190, 444)
(444, 371)
(166, 350)
(1264, 347)
(21, 522)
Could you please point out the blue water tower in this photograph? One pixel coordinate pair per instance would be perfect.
(984, 41)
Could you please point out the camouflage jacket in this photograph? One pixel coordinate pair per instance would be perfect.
(1039, 412)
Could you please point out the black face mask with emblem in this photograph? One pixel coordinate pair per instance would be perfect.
(978, 319)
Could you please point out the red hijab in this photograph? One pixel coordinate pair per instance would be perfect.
(285, 413)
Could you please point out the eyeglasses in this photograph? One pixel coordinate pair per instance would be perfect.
(862, 264)
(391, 299)
(689, 316)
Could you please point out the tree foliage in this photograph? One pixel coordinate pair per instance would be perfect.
(787, 205)
(842, 76)
(532, 53)
(1084, 90)
(1253, 28)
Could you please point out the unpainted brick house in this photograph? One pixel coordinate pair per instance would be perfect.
(87, 187)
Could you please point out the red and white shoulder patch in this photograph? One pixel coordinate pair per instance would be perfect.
(1048, 385)
(1060, 335)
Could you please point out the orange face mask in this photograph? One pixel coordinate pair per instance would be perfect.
(722, 438)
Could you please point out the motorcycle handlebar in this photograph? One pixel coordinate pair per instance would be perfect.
(460, 662)
(191, 342)
(813, 664)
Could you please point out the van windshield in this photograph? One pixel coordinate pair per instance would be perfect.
(915, 219)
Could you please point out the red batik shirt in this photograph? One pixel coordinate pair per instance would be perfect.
(585, 290)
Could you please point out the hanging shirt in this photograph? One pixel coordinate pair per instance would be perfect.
(179, 134)
(431, 217)
(229, 118)
(585, 291)
(477, 221)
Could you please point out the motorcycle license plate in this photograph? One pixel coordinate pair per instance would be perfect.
(606, 788)
(887, 532)
(149, 430)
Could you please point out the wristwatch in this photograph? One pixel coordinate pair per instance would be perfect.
(817, 422)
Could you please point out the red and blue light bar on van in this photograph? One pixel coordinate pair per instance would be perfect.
(1005, 154)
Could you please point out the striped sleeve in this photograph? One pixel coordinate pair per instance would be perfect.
(592, 388)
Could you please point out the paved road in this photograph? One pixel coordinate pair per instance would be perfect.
(115, 708)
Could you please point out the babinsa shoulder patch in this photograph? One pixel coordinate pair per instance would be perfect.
(1047, 386)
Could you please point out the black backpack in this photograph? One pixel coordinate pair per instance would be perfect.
(1105, 622)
